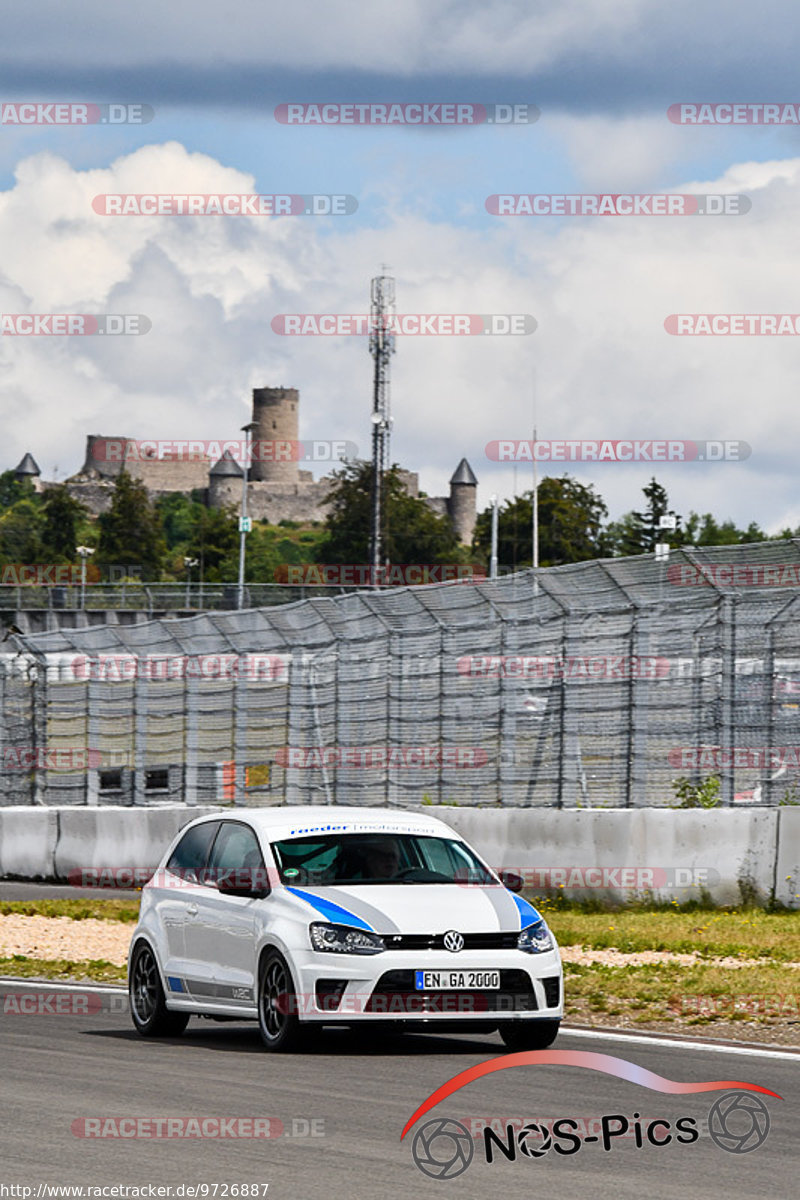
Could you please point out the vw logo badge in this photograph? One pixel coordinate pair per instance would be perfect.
(453, 941)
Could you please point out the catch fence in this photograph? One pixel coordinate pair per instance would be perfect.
(593, 684)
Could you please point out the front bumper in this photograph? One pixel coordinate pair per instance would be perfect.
(343, 988)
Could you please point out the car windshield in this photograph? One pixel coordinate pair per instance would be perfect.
(367, 858)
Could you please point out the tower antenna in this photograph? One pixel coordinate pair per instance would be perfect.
(381, 347)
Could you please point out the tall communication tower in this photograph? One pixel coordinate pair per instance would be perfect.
(381, 347)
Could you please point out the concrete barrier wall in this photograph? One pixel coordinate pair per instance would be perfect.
(787, 867)
(610, 854)
(673, 854)
(49, 843)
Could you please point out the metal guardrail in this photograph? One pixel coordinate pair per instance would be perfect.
(158, 597)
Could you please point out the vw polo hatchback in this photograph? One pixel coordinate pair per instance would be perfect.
(302, 917)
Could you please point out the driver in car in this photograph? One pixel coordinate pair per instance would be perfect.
(381, 858)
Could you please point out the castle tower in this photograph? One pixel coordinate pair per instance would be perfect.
(28, 468)
(463, 503)
(225, 482)
(275, 416)
(105, 456)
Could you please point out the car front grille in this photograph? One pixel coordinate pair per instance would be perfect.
(435, 941)
(395, 994)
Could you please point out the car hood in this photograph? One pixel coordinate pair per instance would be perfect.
(418, 907)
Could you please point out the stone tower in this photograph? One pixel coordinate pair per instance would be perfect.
(275, 416)
(28, 468)
(225, 482)
(463, 502)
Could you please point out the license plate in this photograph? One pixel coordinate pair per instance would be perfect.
(456, 981)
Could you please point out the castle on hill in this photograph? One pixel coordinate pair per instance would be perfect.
(277, 488)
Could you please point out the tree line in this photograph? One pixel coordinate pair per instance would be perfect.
(152, 538)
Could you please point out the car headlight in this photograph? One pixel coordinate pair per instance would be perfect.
(343, 939)
(535, 938)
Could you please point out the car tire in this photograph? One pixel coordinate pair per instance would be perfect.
(149, 1012)
(278, 1023)
(529, 1035)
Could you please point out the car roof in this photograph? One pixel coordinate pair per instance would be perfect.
(298, 820)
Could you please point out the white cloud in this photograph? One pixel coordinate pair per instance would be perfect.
(600, 290)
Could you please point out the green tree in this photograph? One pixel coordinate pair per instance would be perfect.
(705, 530)
(638, 532)
(412, 532)
(571, 517)
(131, 531)
(20, 533)
(62, 516)
(214, 542)
(13, 490)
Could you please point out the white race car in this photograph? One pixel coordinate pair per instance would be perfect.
(300, 917)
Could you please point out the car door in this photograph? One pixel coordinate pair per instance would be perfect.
(176, 888)
(222, 933)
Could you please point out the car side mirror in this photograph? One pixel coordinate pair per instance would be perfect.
(244, 883)
(512, 881)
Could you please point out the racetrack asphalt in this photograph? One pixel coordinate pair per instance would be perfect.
(342, 1108)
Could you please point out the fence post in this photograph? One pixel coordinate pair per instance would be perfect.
(728, 696)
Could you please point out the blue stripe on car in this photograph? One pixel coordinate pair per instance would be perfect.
(329, 910)
(527, 913)
(175, 984)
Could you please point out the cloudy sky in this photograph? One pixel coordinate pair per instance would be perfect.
(600, 364)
